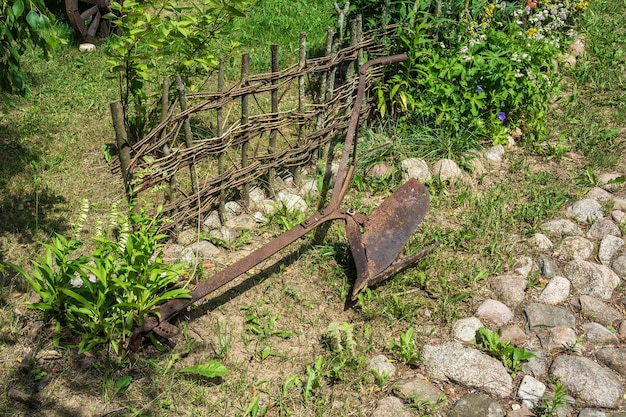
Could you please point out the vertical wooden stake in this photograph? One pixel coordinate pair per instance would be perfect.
(271, 148)
(121, 139)
(182, 99)
(301, 92)
(165, 100)
(245, 73)
(221, 211)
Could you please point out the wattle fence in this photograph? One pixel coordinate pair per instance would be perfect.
(214, 146)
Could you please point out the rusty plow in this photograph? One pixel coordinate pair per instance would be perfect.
(376, 241)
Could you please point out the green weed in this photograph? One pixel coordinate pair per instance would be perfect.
(511, 356)
(405, 348)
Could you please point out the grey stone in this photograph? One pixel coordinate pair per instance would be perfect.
(232, 208)
(548, 268)
(556, 291)
(619, 204)
(595, 385)
(172, 252)
(391, 407)
(292, 202)
(603, 227)
(495, 154)
(591, 279)
(417, 389)
(536, 366)
(619, 265)
(587, 412)
(416, 168)
(199, 251)
(614, 358)
(309, 188)
(600, 195)
(597, 310)
(476, 405)
(468, 367)
(212, 221)
(574, 247)
(267, 206)
(605, 178)
(530, 391)
(524, 265)
(381, 366)
(586, 210)
(465, 329)
(510, 289)
(241, 222)
(542, 242)
(557, 338)
(225, 234)
(609, 245)
(446, 169)
(86, 47)
(495, 312)
(513, 334)
(259, 217)
(618, 216)
(599, 335)
(257, 194)
(561, 227)
(187, 237)
(478, 167)
(543, 316)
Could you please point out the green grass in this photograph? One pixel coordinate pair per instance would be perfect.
(482, 225)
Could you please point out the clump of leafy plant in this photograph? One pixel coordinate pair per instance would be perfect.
(102, 296)
(405, 348)
(549, 406)
(511, 356)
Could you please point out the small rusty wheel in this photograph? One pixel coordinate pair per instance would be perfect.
(87, 17)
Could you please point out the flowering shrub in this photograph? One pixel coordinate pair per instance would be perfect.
(478, 68)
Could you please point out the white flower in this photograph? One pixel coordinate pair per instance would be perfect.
(77, 281)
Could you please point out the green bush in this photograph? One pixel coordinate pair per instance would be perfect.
(103, 296)
(23, 24)
(477, 69)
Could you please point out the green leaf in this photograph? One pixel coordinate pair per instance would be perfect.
(123, 382)
(18, 8)
(210, 369)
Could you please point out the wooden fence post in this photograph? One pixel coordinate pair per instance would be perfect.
(182, 99)
(301, 93)
(271, 148)
(221, 210)
(121, 139)
(245, 73)
(165, 100)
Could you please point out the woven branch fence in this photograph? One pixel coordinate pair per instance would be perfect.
(210, 146)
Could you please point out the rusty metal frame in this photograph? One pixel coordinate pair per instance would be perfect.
(376, 256)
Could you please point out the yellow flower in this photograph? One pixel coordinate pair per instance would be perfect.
(531, 32)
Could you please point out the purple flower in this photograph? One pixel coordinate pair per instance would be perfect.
(501, 116)
(479, 88)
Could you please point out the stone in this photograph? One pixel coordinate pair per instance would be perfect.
(603, 227)
(309, 188)
(199, 251)
(593, 384)
(232, 208)
(619, 216)
(494, 154)
(591, 279)
(257, 194)
(587, 412)
(380, 170)
(557, 338)
(225, 234)
(513, 334)
(477, 167)
(614, 358)
(417, 389)
(574, 247)
(468, 367)
(561, 227)
(596, 310)
(598, 335)
(476, 405)
(187, 237)
(530, 391)
(548, 268)
(416, 168)
(381, 366)
(543, 316)
(536, 366)
(619, 204)
(241, 222)
(556, 291)
(586, 210)
(391, 407)
(446, 169)
(495, 312)
(87, 47)
(609, 246)
(524, 265)
(465, 329)
(608, 183)
(542, 242)
(619, 266)
(172, 253)
(212, 221)
(510, 289)
(600, 195)
(292, 202)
